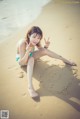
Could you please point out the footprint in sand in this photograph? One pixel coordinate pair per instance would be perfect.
(70, 38)
(24, 94)
(41, 81)
(79, 84)
(21, 75)
(75, 71)
(41, 115)
(67, 26)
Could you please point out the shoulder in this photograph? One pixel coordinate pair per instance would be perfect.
(21, 43)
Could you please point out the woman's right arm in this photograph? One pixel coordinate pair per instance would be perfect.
(23, 53)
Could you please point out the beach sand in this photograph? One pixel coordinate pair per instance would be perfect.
(58, 84)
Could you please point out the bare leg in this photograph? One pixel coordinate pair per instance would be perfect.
(43, 51)
(30, 66)
(54, 55)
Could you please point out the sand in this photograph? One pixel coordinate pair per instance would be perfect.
(57, 84)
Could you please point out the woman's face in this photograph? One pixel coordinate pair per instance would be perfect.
(35, 38)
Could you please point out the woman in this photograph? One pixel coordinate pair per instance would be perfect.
(26, 55)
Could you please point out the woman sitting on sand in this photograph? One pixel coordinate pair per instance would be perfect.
(26, 55)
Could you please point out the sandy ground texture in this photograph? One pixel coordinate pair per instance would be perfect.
(57, 84)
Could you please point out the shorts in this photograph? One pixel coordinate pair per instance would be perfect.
(18, 56)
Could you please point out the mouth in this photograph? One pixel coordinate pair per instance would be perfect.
(34, 42)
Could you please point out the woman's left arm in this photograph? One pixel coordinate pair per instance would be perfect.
(47, 43)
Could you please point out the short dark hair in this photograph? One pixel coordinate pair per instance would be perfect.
(34, 29)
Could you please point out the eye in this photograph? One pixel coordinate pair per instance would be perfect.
(39, 38)
(34, 36)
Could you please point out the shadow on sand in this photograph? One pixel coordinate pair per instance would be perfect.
(59, 81)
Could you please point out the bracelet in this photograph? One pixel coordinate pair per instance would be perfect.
(45, 47)
(30, 53)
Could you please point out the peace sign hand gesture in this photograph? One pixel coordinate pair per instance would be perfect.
(47, 42)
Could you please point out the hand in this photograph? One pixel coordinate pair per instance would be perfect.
(29, 48)
(47, 42)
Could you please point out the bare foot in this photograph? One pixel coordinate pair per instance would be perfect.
(70, 63)
(32, 93)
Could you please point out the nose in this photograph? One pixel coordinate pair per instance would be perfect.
(36, 40)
